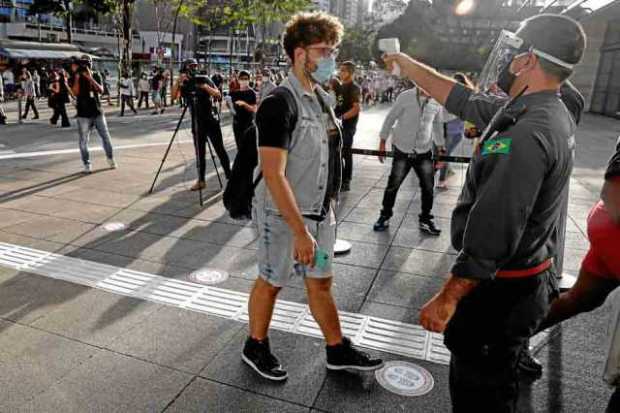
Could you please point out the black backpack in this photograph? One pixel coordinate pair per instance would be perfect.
(240, 188)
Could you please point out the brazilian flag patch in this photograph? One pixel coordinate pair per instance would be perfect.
(500, 145)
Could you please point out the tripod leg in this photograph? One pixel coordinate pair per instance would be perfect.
(217, 172)
(174, 135)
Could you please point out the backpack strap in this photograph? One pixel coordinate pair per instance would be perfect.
(292, 103)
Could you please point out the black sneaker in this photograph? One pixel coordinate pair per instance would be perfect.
(344, 356)
(529, 367)
(345, 187)
(382, 224)
(257, 355)
(428, 226)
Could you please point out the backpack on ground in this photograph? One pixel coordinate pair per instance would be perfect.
(240, 187)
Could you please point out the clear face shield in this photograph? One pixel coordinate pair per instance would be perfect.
(508, 46)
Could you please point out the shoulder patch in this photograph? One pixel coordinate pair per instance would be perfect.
(499, 145)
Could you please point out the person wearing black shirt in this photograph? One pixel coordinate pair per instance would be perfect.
(348, 96)
(201, 106)
(244, 103)
(87, 87)
(58, 98)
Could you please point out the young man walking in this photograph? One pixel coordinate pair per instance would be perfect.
(293, 203)
(348, 97)
(418, 123)
(87, 87)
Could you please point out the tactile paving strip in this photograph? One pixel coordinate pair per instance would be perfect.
(366, 331)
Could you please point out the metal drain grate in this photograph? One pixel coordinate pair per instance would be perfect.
(371, 332)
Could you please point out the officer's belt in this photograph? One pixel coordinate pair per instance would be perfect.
(527, 272)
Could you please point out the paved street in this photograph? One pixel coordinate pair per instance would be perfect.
(72, 343)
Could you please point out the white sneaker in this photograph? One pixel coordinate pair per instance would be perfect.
(112, 163)
(88, 169)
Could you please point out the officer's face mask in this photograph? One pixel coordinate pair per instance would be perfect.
(244, 84)
(506, 78)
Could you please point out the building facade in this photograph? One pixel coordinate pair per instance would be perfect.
(598, 75)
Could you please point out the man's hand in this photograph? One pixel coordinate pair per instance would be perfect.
(436, 313)
(304, 246)
(382, 150)
(241, 103)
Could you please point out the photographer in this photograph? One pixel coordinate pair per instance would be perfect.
(198, 91)
(87, 87)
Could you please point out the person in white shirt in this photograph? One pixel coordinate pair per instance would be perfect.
(29, 92)
(414, 123)
(144, 86)
(9, 82)
(127, 90)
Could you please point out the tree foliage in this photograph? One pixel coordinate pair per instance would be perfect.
(242, 13)
(359, 41)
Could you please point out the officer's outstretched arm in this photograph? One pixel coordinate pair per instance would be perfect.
(436, 84)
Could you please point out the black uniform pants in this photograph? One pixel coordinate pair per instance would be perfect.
(486, 337)
(210, 129)
(402, 163)
(347, 155)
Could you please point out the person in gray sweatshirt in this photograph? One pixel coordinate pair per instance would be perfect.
(414, 122)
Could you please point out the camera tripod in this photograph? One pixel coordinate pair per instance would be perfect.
(190, 101)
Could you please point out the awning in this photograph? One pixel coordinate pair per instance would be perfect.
(38, 54)
(16, 49)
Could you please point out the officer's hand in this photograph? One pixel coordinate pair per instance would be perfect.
(401, 59)
(240, 103)
(382, 150)
(304, 246)
(436, 313)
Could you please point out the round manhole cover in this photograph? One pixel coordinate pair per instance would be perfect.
(404, 378)
(342, 247)
(114, 226)
(208, 276)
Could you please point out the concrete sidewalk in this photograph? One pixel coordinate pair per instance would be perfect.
(67, 347)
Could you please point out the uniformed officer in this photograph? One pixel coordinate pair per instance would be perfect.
(503, 279)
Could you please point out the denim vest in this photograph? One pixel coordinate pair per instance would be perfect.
(308, 154)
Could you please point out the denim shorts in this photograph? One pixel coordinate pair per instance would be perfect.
(276, 264)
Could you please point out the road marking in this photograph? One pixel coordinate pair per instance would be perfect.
(15, 155)
(390, 336)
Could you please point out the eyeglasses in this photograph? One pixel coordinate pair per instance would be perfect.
(326, 51)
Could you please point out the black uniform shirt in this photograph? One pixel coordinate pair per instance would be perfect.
(510, 205)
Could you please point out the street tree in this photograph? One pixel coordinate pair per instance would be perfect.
(261, 13)
(359, 41)
(67, 9)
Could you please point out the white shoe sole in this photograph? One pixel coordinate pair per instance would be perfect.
(251, 364)
(358, 368)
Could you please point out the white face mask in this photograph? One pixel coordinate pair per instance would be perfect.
(244, 84)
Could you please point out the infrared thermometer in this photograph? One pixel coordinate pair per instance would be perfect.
(391, 46)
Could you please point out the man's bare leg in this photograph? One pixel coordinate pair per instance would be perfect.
(260, 308)
(324, 309)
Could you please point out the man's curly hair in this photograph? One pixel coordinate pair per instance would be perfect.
(305, 29)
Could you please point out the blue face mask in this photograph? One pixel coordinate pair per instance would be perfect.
(325, 69)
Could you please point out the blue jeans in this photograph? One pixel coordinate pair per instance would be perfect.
(452, 141)
(85, 126)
